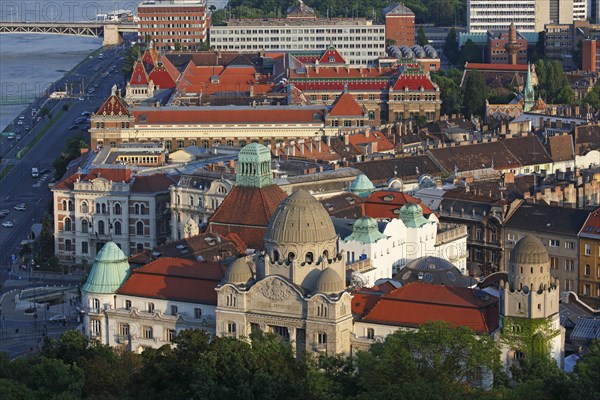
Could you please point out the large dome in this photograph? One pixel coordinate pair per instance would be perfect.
(239, 272)
(529, 250)
(300, 218)
(433, 270)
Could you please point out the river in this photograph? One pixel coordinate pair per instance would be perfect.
(31, 63)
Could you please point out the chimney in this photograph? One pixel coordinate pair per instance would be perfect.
(346, 139)
(367, 134)
(319, 145)
(316, 66)
(301, 144)
(310, 146)
(327, 140)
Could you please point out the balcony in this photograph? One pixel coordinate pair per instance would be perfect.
(361, 266)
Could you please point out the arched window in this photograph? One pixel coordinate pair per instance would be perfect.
(139, 228)
(84, 207)
(142, 209)
(101, 227)
(178, 199)
(136, 208)
(84, 226)
(309, 258)
(64, 205)
(291, 256)
(67, 224)
(98, 208)
(117, 209)
(275, 256)
(103, 208)
(71, 206)
(325, 255)
(96, 305)
(191, 200)
(117, 228)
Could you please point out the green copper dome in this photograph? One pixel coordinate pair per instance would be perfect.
(362, 186)
(412, 215)
(365, 230)
(254, 166)
(109, 270)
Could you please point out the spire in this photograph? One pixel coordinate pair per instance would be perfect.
(528, 92)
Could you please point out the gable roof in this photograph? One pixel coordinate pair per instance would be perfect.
(397, 9)
(406, 168)
(418, 303)
(331, 56)
(413, 81)
(112, 174)
(139, 75)
(150, 56)
(176, 279)
(114, 105)
(161, 77)
(528, 150)
(346, 106)
(153, 183)
(473, 157)
(591, 227)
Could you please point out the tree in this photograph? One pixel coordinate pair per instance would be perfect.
(132, 54)
(422, 37)
(470, 52)
(45, 111)
(554, 86)
(451, 46)
(450, 90)
(475, 94)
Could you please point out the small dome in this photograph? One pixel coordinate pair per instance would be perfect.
(300, 218)
(239, 272)
(529, 250)
(412, 215)
(365, 230)
(395, 184)
(433, 270)
(329, 282)
(109, 270)
(362, 186)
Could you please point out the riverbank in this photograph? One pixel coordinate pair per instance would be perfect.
(34, 64)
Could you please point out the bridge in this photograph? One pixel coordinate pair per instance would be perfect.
(109, 31)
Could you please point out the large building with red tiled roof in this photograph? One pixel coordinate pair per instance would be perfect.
(110, 204)
(247, 209)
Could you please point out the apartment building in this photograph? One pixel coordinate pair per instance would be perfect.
(173, 24)
(589, 260)
(358, 40)
(94, 207)
(399, 24)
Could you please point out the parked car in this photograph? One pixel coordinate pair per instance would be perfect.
(4, 213)
(7, 224)
(58, 318)
(21, 207)
(72, 127)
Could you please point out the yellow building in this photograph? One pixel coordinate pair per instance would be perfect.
(589, 260)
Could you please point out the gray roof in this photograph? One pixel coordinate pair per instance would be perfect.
(547, 219)
(586, 330)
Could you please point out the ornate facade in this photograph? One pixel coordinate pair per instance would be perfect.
(296, 288)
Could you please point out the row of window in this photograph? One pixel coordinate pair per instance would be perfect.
(216, 31)
(115, 227)
(102, 208)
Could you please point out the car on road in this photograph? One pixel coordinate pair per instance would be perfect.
(20, 122)
(72, 127)
(7, 224)
(81, 99)
(58, 318)
(22, 117)
(21, 207)
(4, 213)
(44, 171)
(18, 137)
(86, 114)
(27, 127)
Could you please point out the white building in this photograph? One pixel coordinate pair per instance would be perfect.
(528, 15)
(358, 40)
(380, 250)
(193, 200)
(94, 207)
(135, 309)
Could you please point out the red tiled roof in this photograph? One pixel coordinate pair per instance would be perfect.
(364, 300)
(150, 57)
(377, 207)
(112, 174)
(138, 76)
(162, 78)
(383, 143)
(231, 115)
(153, 183)
(496, 67)
(171, 69)
(591, 228)
(346, 106)
(412, 81)
(246, 211)
(418, 303)
(329, 53)
(176, 279)
(561, 147)
(113, 106)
